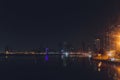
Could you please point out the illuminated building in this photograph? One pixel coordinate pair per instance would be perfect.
(114, 38)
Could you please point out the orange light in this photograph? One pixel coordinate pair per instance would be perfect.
(99, 55)
(115, 38)
(111, 53)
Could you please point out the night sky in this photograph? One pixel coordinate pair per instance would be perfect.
(26, 24)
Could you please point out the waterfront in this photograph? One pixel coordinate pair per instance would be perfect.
(56, 67)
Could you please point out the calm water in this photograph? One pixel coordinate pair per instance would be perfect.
(56, 67)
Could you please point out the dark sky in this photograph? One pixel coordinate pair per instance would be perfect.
(28, 24)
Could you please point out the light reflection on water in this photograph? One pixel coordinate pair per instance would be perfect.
(64, 60)
(46, 57)
(105, 71)
(111, 70)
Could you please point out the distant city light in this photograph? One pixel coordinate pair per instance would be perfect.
(66, 54)
(112, 59)
(111, 53)
(89, 56)
(115, 38)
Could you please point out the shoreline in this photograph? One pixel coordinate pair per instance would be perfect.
(106, 61)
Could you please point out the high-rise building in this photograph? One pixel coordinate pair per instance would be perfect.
(97, 44)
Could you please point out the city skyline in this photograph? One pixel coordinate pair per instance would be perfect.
(32, 24)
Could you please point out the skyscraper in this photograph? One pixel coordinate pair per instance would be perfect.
(97, 44)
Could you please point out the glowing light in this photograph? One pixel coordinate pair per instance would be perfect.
(117, 41)
(7, 52)
(89, 56)
(46, 58)
(99, 64)
(111, 53)
(112, 59)
(99, 55)
(66, 54)
(115, 38)
(99, 69)
(97, 39)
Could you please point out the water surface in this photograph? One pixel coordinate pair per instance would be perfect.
(56, 67)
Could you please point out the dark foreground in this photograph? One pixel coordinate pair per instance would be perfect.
(55, 67)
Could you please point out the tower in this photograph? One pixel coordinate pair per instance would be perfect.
(97, 44)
